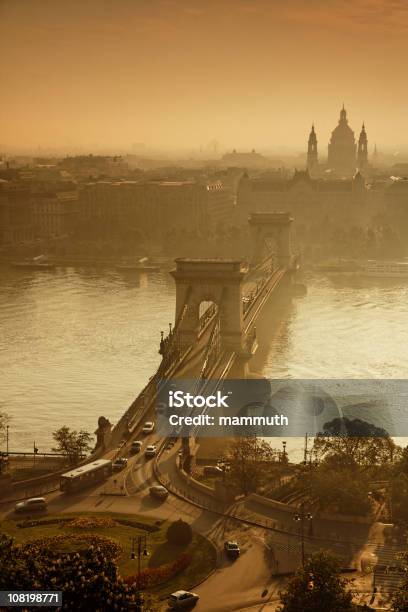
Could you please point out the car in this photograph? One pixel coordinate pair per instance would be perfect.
(182, 599)
(136, 446)
(232, 549)
(148, 427)
(158, 492)
(34, 504)
(150, 450)
(212, 470)
(119, 464)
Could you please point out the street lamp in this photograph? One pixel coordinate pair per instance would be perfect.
(301, 517)
(139, 548)
(7, 439)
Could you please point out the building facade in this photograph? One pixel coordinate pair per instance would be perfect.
(307, 198)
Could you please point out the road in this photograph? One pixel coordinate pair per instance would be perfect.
(247, 583)
(233, 584)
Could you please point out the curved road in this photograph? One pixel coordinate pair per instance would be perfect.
(234, 585)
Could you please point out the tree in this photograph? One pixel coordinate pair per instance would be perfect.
(4, 419)
(179, 533)
(318, 586)
(399, 600)
(249, 459)
(88, 581)
(355, 443)
(337, 488)
(75, 445)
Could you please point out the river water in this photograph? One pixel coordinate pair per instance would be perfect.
(79, 343)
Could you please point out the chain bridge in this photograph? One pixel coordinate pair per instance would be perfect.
(218, 302)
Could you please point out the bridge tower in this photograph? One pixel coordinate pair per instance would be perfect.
(210, 280)
(272, 227)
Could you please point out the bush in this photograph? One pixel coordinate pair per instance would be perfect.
(155, 575)
(53, 546)
(179, 533)
(91, 522)
(89, 581)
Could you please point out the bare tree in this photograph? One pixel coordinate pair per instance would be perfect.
(75, 445)
(4, 420)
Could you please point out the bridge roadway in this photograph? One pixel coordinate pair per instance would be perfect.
(260, 284)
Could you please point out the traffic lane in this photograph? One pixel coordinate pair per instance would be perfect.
(238, 583)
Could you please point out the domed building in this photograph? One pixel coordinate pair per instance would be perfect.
(342, 147)
(344, 156)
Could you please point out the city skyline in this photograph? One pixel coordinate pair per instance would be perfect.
(176, 74)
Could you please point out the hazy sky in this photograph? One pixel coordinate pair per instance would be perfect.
(251, 73)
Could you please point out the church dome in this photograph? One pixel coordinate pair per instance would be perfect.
(343, 131)
(342, 146)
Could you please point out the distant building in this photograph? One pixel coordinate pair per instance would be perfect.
(37, 203)
(16, 214)
(307, 198)
(95, 166)
(344, 157)
(155, 207)
(55, 213)
(312, 159)
(362, 151)
(247, 160)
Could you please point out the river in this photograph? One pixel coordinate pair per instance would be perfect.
(79, 343)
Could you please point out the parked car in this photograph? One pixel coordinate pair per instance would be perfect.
(182, 599)
(158, 492)
(119, 464)
(136, 446)
(34, 504)
(150, 450)
(212, 470)
(231, 549)
(148, 427)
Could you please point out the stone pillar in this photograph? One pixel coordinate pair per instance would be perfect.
(274, 225)
(212, 280)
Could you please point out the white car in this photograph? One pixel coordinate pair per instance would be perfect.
(31, 505)
(148, 427)
(182, 599)
(150, 450)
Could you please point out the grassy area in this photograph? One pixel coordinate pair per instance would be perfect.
(203, 556)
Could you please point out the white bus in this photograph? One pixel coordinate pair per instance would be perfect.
(86, 475)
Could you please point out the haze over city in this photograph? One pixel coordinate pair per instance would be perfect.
(176, 74)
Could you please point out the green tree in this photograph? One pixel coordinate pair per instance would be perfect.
(317, 587)
(75, 445)
(249, 460)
